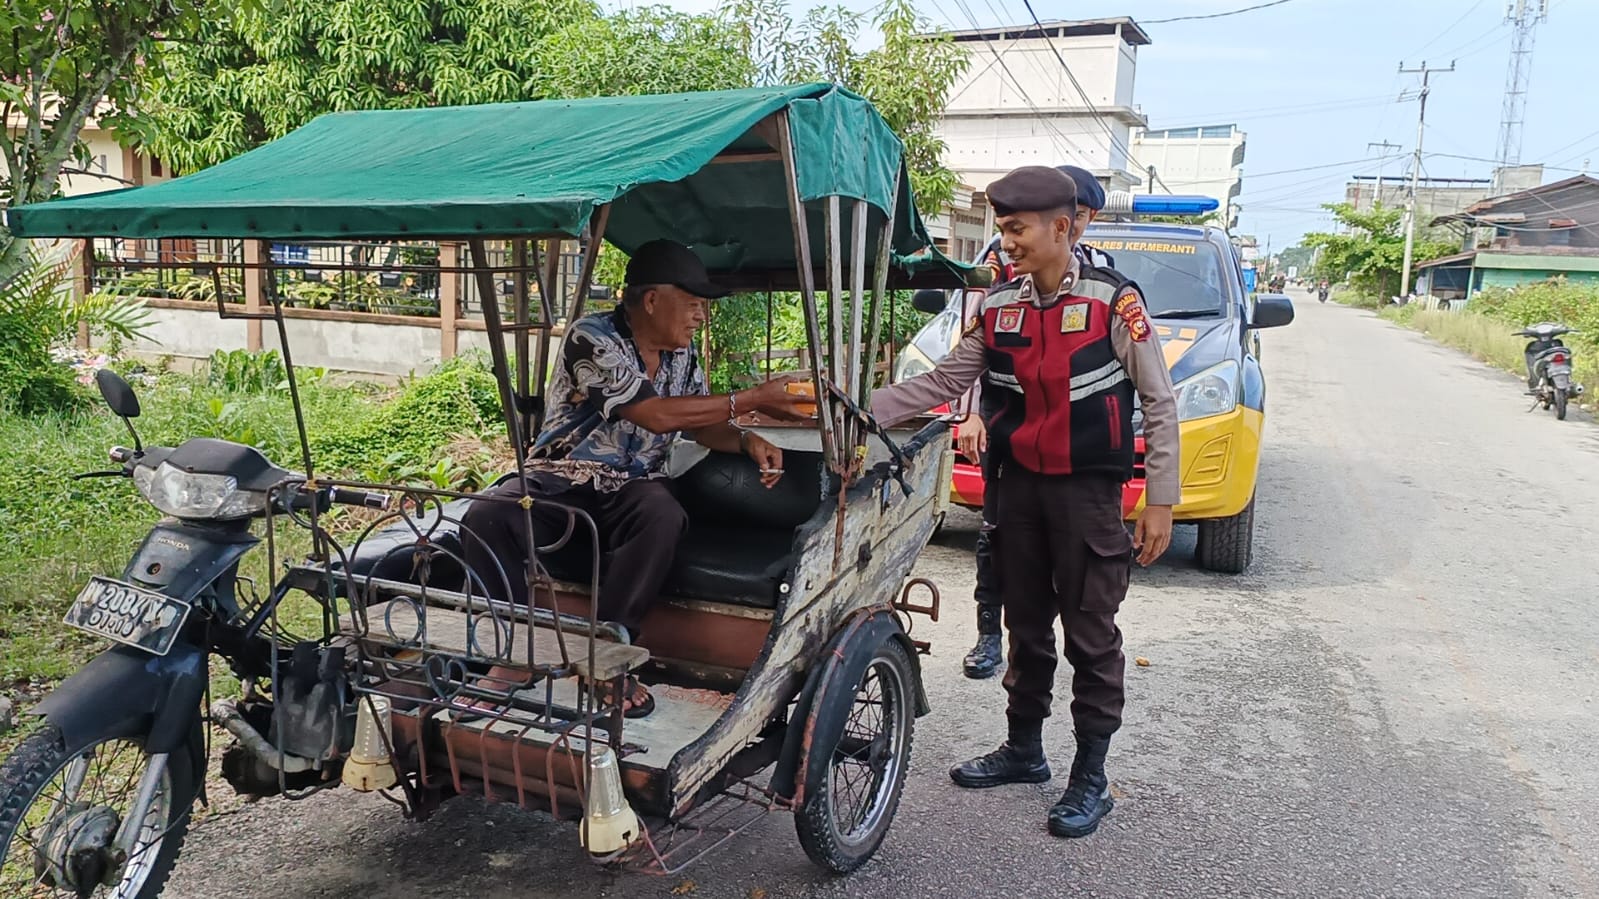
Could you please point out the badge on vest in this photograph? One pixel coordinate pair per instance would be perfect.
(1009, 320)
(1074, 318)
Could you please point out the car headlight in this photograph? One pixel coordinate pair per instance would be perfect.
(184, 494)
(912, 362)
(1213, 391)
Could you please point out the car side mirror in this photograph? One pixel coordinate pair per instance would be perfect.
(929, 301)
(1272, 310)
(118, 393)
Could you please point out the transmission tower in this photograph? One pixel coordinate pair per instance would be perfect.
(1523, 16)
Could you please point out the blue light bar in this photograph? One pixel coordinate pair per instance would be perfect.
(1173, 205)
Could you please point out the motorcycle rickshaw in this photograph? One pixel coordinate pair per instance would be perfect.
(786, 675)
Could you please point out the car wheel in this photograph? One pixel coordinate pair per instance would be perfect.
(1227, 544)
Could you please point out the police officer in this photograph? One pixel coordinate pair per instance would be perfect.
(1061, 350)
(984, 658)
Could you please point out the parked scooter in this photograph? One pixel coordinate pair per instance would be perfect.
(1549, 367)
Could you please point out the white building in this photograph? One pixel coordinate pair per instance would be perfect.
(1016, 104)
(1206, 160)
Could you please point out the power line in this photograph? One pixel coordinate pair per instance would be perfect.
(1439, 36)
(1550, 168)
(1093, 113)
(1216, 15)
(1065, 145)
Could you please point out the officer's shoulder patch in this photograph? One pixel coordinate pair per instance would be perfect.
(1129, 307)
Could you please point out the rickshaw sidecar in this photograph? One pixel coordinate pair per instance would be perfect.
(778, 653)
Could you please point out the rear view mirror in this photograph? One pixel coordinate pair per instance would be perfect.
(118, 393)
(1272, 310)
(929, 301)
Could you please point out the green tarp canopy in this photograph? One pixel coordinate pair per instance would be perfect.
(668, 163)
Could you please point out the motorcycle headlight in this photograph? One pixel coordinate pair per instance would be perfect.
(184, 494)
(1213, 391)
(912, 362)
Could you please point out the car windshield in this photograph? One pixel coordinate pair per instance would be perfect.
(1180, 278)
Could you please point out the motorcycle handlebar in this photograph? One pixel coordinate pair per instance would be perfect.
(345, 496)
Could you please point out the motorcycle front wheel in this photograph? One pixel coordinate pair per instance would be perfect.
(62, 808)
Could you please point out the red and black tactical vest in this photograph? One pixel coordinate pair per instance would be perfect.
(1055, 396)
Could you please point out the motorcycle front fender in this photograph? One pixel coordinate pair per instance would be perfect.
(182, 559)
(127, 692)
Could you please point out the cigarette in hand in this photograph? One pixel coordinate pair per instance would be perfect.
(771, 471)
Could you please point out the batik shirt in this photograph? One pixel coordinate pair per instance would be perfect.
(599, 372)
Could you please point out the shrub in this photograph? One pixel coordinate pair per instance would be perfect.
(428, 414)
(1555, 300)
(39, 312)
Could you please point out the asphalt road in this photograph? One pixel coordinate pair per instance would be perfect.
(1398, 699)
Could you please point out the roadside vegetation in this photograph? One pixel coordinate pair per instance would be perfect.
(441, 429)
(1484, 328)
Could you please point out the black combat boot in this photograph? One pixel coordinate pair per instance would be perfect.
(1019, 761)
(1087, 799)
(985, 657)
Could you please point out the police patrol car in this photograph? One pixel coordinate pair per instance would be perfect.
(1193, 284)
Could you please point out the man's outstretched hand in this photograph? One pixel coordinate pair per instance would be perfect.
(772, 399)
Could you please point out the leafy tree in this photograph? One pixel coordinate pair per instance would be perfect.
(69, 60)
(258, 74)
(1372, 250)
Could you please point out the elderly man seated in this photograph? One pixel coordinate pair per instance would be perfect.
(626, 383)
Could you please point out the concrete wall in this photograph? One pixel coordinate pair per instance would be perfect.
(1200, 164)
(358, 346)
(366, 347)
(1028, 112)
(191, 333)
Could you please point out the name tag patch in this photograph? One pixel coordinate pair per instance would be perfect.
(1009, 320)
(1074, 318)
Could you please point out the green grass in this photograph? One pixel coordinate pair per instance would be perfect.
(59, 532)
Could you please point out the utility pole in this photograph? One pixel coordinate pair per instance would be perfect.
(1524, 16)
(1381, 158)
(1415, 168)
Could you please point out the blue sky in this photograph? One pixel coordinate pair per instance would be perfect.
(1313, 81)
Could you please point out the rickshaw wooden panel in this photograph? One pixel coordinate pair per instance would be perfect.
(718, 634)
(884, 531)
(448, 629)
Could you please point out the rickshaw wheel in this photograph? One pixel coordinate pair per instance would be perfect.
(843, 821)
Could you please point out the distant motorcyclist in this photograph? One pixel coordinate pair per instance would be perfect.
(1322, 290)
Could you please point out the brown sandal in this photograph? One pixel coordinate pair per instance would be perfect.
(638, 702)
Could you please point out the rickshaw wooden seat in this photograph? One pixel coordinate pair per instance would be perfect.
(448, 631)
(736, 565)
(740, 540)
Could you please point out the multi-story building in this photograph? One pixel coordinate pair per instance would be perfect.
(1017, 105)
(1206, 160)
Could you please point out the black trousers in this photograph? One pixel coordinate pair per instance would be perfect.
(1063, 553)
(639, 528)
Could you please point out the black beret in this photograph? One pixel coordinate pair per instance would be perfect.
(1089, 193)
(1031, 188)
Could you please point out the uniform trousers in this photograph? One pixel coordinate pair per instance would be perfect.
(1062, 553)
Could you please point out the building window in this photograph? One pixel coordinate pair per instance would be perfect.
(1560, 235)
(155, 167)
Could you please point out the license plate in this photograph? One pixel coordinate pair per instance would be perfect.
(129, 615)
